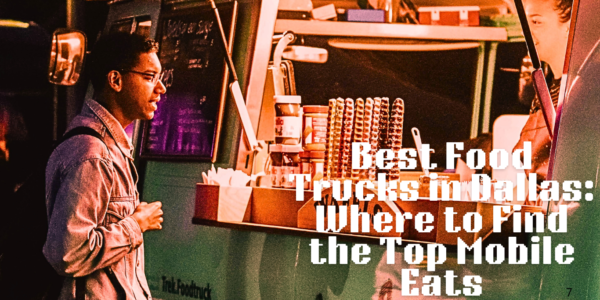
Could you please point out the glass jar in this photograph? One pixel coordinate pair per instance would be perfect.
(288, 120)
(276, 165)
(317, 161)
(314, 132)
(305, 166)
(291, 164)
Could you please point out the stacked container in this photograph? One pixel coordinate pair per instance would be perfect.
(300, 137)
(285, 153)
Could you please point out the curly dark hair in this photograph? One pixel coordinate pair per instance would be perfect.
(564, 9)
(117, 51)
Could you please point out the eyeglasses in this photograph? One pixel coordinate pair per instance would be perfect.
(153, 77)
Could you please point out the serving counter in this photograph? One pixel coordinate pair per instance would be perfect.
(272, 260)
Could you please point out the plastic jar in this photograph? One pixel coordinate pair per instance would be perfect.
(314, 132)
(276, 165)
(288, 120)
(291, 164)
(317, 161)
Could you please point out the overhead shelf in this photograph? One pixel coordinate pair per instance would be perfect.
(384, 30)
(389, 44)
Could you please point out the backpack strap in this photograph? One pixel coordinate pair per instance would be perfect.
(79, 131)
(80, 282)
(80, 287)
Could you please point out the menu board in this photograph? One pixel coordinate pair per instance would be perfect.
(187, 123)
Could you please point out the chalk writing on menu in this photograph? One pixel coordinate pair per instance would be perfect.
(192, 57)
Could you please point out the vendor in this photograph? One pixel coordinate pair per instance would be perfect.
(549, 22)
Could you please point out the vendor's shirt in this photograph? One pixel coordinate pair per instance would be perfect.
(554, 92)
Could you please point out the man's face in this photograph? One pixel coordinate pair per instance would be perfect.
(140, 92)
(549, 33)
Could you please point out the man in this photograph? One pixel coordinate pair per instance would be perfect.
(95, 218)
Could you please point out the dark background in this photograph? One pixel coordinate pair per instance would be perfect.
(437, 87)
(26, 97)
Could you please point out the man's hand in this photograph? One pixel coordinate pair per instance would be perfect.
(149, 216)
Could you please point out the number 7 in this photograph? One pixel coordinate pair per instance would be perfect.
(569, 291)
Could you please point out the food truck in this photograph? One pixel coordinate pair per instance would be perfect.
(321, 81)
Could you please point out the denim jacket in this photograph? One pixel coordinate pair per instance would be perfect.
(90, 196)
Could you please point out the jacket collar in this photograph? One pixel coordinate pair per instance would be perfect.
(112, 125)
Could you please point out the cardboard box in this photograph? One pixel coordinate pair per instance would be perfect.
(265, 206)
(279, 207)
(223, 203)
(449, 15)
(365, 15)
(437, 209)
(324, 12)
(424, 189)
(307, 216)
